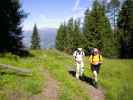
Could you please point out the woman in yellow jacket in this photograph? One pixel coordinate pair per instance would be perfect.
(95, 60)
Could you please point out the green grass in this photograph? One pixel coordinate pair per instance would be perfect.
(22, 86)
(116, 77)
(25, 86)
(57, 64)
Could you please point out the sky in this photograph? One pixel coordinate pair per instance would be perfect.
(51, 13)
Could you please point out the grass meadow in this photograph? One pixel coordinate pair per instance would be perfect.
(116, 77)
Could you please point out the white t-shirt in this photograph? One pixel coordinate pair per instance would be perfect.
(78, 55)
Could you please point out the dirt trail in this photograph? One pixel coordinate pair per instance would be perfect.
(94, 93)
(49, 91)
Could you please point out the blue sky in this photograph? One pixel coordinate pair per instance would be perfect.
(51, 13)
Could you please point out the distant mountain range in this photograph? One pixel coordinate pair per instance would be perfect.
(47, 36)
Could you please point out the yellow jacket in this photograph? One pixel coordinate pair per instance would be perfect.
(95, 59)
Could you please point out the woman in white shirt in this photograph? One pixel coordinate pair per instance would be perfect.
(78, 56)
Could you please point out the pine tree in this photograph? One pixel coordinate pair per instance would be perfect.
(61, 41)
(11, 15)
(77, 40)
(70, 36)
(35, 42)
(59, 38)
(113, 9)
(97, 29)
(125, 27)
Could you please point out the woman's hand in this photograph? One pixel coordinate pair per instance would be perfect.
(78, 61)
(100, 62)
(97, 63)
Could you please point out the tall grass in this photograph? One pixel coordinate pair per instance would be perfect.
(57, 64)
(13, 85)
(116, 77)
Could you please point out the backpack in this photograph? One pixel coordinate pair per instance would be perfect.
(80, 52)
(91, 51)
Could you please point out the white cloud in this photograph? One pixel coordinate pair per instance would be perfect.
(78, 11)
(77, 6)
(108, 1)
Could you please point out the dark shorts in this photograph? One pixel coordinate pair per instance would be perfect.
(95, 68)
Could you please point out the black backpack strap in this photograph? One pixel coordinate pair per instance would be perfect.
(99, 58)
(76, 53)
(82, 53)
(92, 57)
(79, 53)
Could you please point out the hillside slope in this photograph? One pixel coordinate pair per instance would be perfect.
(51, 69)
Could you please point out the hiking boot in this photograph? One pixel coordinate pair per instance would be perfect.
(82, 77)
(95, 84)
